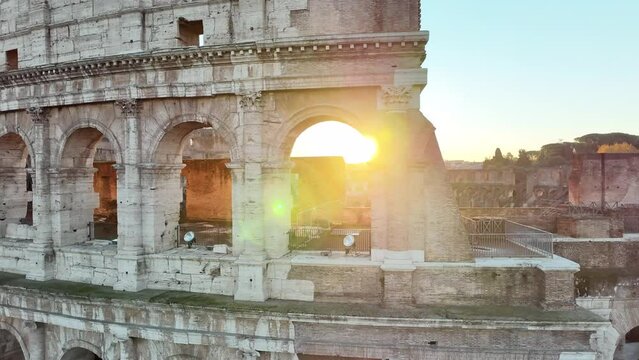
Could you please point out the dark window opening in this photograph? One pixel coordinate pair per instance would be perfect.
(190, 32)
(12, 59)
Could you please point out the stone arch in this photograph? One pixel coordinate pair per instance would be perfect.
(76, 345)
(86, 133)
(168, 141)
(284, 139)
(12, 138)
(13, 331)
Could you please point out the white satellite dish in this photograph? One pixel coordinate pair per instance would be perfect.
(349, 241)
(189, 238)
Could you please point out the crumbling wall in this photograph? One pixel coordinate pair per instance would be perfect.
(613, 178)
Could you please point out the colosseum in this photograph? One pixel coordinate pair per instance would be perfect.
(103, 103)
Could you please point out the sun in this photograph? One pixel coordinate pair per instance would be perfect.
(333, 138)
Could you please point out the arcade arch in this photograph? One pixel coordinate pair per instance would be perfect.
(330, 182)
(189, 185)
(15, 185)
(84, 187)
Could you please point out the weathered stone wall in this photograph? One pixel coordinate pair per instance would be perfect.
(606, 265)
(90, 265)
(443, 285)
(338, 283)
(199, 272)
(208, 190)
(13, 256)
(610, 226)
(478, 286)
(96, 28)
(611, 177)
(600, 254)
(130, 328)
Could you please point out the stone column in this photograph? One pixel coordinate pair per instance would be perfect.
(36, 340)
(130, 249)
(162, 194)
(73, 202)
(251, 283)
(278, 203)
(40, 252)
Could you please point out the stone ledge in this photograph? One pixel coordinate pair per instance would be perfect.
(509, 316)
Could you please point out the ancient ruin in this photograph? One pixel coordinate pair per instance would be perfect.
(102, 108)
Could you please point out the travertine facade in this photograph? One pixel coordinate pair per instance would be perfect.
(132, 71)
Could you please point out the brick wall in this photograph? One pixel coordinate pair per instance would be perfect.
(478, 286)
(332, 283)
(524, 286)
(590, 226)
(208, 190)
(604, 264)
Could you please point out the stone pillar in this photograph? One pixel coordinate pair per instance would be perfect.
(14, 196)
(392, 192)
(73, 202)
(40, 252)
(162, 194)
(130, 250)
(36, 340)
(558, 289)
(414, 214)
(278, 203)
(251, 283)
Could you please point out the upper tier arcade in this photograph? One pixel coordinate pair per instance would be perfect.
(39, 32)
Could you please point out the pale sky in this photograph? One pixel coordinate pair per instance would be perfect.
(520, 73)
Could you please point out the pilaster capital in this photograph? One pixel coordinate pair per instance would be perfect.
(394, 96)
(39, 115)
(251, 101)
(128, 107)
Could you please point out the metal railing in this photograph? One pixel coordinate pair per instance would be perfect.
(498, 237)
(320, 238)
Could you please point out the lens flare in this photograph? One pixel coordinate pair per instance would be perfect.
(333, 138)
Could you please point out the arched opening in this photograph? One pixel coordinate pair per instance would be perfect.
(11, 349)
(196, 186)
(16, 196)
(330, 185)
(628, 348)
(78, 353)
(84, 187)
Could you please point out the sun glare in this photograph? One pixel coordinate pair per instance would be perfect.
(333, 138)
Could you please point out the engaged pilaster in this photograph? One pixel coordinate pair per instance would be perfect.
(41, 252)
(130, 262)
(248, 180)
